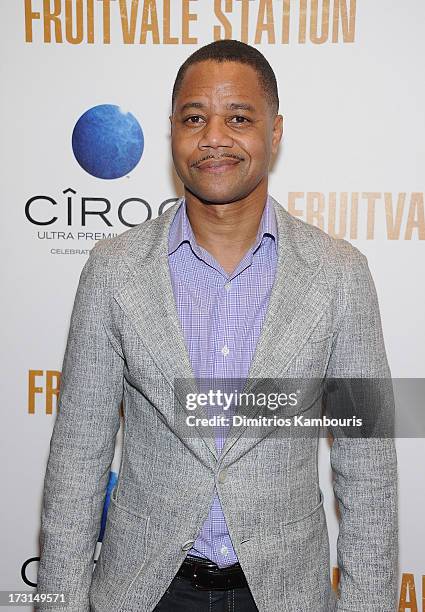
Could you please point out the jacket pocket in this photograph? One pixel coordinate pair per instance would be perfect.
(306, 561)
(124, 544)
(312, 359)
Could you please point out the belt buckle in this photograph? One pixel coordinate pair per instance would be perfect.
(197, 579)
(199, 583)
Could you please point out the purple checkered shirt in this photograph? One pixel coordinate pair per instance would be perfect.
(221, 316)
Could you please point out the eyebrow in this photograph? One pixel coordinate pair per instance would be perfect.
(231, 106)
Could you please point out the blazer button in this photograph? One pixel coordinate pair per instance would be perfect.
(222, 476)
(188, 545)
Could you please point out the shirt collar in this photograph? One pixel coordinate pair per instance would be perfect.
(181, 230)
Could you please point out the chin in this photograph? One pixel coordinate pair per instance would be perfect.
(215, 196)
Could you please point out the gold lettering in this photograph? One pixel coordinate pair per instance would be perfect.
(30, 15)
(348, 23)
(244, 20)
(302, 27)
(314, 36)
(354, 215)
(340, 233)
(394, 225)
(408, 590)
(286, 15)
(90, 21)
(227, 26)
(315, 209)
(52, 16)
(416, 217)
(371, 198)
(335, 578)
(166, 22)
(265, 22)
(149, 22)
(128, 29)
(187, 17)
(51, 389)
(70, 37)
(423, 593)
(106, 21)
(293, 196)
(33, 389)
(341, 213)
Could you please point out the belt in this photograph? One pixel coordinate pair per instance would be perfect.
(206, 575)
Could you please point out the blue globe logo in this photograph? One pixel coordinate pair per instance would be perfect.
(107, 141)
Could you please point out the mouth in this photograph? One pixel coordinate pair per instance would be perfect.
(216, 166)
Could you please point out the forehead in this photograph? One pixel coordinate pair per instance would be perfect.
(221, 80)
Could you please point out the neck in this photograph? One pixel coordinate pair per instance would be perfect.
(227, 227)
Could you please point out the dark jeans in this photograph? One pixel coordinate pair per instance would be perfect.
(181, 596)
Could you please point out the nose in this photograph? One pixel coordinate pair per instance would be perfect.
(215, 134)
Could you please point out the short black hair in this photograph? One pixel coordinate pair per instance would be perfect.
(233, 51)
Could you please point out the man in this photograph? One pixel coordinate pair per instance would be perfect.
(225, 285)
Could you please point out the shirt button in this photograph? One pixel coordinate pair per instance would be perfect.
(228, 286)
(225, 350)
(224, 550)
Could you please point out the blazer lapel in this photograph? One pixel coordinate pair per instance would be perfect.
(148, 300)
(297, 301)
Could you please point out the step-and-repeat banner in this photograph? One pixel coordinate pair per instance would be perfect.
(86, 92)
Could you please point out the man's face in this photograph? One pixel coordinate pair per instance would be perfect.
(223, 131)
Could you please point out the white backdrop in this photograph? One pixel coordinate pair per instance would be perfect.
(352, 93)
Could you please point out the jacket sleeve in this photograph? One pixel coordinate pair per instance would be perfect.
(82, 444)
(365, 467)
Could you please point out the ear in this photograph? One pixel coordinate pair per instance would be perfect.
(277, 132)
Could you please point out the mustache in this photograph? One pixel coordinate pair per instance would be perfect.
(231, 155)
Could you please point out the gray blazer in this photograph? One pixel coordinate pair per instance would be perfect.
(125, 343)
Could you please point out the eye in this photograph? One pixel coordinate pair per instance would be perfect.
(189, 119)
(244, 119)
